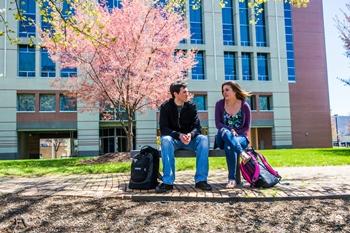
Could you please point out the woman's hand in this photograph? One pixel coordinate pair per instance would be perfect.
(234, 132)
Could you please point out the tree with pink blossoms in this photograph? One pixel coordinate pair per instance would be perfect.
(126, 57)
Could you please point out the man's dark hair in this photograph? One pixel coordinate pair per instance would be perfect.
(176, 87)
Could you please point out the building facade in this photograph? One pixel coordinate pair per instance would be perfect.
(280, 59)
(341, 130)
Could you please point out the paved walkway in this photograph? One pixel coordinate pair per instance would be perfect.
(297, 183)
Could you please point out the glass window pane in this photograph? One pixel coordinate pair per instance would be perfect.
(111, 145)
(246, 66)
(67, 9)
(230, 66)
(201, 102)
(198, 69)
(228, 23)
(26, 27)
(290, 63)
(244, 23)
(48, 67)
(196, 22)
(26, 102)
(290, 46)
(252, 102)
(47, 103)
(26, 61)
(69, 72)
(263, 73)
(44, 19)
(68, 103)
(28, 6)
(114, 4)
(265, 103)
(289, 40)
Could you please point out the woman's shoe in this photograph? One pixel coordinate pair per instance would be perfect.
(245, 157)
(231, 184)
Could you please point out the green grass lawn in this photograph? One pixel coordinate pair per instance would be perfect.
(58, 166)
(278, 158)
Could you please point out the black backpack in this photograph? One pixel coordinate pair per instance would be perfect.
(145, 169)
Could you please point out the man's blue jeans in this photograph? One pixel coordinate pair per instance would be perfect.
(198, 144)
(233, 146)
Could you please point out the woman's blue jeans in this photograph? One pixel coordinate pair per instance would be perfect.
(233, 146)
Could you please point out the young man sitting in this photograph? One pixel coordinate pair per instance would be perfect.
(180, 129)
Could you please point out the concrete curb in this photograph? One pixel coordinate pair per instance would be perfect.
(145, 198)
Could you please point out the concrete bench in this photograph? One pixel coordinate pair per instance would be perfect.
(212, 153)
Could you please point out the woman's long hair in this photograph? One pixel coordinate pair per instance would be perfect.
(240, 93)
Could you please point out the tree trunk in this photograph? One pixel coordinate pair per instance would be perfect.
(130, 133)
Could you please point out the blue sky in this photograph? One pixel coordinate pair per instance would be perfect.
(337, 63)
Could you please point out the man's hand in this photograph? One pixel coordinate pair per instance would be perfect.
(185, 138)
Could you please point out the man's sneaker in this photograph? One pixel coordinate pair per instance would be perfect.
(164, 188)
(203, 185)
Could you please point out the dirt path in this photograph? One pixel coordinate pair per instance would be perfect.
(69, 214)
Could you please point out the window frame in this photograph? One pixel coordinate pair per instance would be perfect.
(30, 51)
(269, 103)
(17, 103)
(25, 24)
(55, 103)
(205, 98)
(65, 96)
(227, 55)
(202, 65)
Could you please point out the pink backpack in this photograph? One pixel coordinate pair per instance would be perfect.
(258, 172)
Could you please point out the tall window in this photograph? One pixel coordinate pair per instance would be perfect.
(201, 102)
(25, 102)
(244, 23)
(260, 28)
(252, 102)
(26, 27)
(45, 19)
(48, 68)
(47, 103)
(265, 103)
(198, 69)
(69, 72)
(67, 9)
(196, 22)
(246, 66)
(67, 103)
(263, 73)
(230, 66)
(228, 23)
(289, 41)
(26, 61)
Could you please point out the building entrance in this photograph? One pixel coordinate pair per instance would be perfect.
(113, 140)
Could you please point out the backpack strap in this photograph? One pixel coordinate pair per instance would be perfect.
(244, 173)
(267, 165)
(149, 149)
(257, 170)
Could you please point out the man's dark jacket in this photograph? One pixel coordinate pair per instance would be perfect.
(172, 123)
